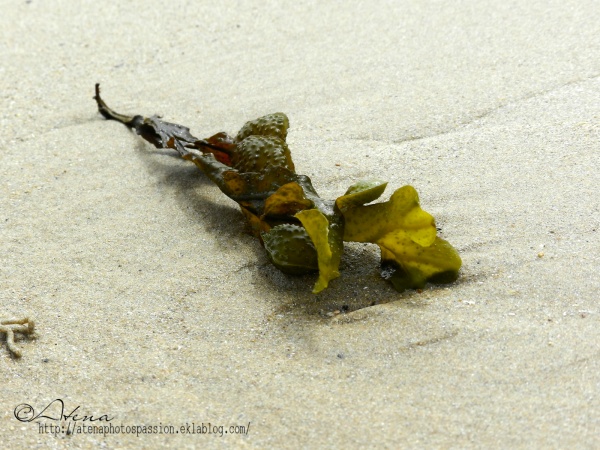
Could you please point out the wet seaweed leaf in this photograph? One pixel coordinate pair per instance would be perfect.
(327, 242)
(411, 252)
(371, 223)
(288, 200)
(409, 265)
(360, 193)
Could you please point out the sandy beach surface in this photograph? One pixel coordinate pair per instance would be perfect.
(158, 315)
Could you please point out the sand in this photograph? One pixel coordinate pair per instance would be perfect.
(154, 307)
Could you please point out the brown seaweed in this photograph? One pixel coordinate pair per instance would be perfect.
(300, 231)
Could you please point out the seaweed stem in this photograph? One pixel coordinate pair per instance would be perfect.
(131, 122)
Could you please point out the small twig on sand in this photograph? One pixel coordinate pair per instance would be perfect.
(12, 326)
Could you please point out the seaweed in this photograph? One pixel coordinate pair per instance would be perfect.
(300, 231)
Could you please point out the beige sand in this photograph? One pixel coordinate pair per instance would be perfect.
(153, 306)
